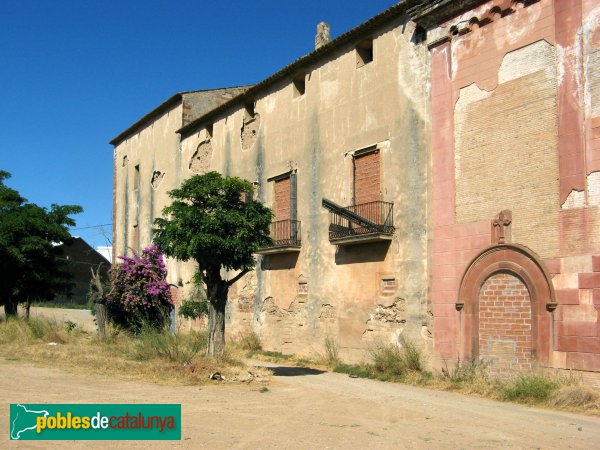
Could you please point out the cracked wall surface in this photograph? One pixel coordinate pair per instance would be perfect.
(157, 178)
(386, 323)
(325, 290)
(154, 148)
(200, 160)
(506, 150)
(249, 131)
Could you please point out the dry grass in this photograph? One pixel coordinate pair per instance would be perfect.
(248, 341)
(576, 397)
(151, 356)
(545, 388)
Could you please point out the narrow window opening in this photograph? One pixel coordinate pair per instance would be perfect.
(419, 35)
(136, 177)
(364, 52)
(299, 85)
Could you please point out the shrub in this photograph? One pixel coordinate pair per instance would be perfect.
(70, 326)
(394, 362)
(179, 348)
(139, 294)
(250, 341)
(411, 356)
(331, 351)
(530, 387)
(193, 309)
(388, 361)
(466, 371)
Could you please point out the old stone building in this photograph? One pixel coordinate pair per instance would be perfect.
(147, 164)
(434, 174)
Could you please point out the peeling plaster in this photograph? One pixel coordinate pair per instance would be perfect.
(468, 95)
(157, 178)
(576, 199)
(593, 188)
(509, 33)
(249, 131)
(200, 160)
(591, 27)
(527, 60)
(561, 58)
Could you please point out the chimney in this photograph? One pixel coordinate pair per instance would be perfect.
(322, 36)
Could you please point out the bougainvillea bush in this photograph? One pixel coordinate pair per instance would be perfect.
(139, 294)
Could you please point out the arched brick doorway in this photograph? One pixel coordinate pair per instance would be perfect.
(505, 322)
(503, 282)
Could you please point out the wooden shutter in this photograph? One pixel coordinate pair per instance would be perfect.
(367, 178)
(282, 199)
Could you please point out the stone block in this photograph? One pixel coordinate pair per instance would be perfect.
(566, 343)
(588, 345)
(589, 280)
(596, 263)
(553, 265)
(567, 296)
(576, 264)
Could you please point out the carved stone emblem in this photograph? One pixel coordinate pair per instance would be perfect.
(501, 227)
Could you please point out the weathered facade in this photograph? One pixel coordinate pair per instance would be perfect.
(514, 113)
(348, 128)
(434, 175)
(147, 165)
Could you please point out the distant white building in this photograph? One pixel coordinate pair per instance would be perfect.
(106, 251)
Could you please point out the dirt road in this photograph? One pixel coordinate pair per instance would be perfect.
(306, 409)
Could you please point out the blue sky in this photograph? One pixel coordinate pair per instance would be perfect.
(75, 73)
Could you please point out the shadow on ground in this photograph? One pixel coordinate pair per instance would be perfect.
(287, 371)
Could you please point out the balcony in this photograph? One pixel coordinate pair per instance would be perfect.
(360, 224)
(286, 237)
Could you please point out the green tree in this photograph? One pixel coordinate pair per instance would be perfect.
(29, 267)
(213, 222)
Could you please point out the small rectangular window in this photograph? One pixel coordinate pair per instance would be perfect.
(136, 177)
(364, 52)
(299, 85)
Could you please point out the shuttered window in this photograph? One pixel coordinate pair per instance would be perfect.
(367, 177)
(282, 204)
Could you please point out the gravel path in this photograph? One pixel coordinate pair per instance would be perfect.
(308, 409)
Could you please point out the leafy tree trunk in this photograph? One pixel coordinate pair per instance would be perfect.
(97, 296)
(217, 300)
(216, 328)
(27, 307)
(10, 308)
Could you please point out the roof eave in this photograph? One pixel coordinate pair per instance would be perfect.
(382, 18)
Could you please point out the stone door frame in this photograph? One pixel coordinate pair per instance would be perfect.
(523, 263)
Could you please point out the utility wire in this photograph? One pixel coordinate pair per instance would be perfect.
(92, 226)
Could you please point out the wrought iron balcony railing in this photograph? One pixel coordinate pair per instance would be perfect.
(286, 236)
(373, 219)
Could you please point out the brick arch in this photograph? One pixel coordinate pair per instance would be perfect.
(528, 267)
